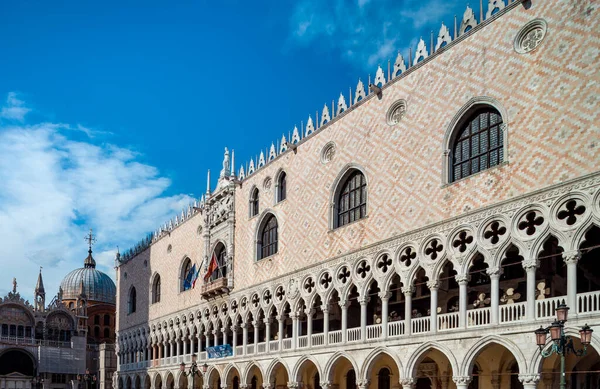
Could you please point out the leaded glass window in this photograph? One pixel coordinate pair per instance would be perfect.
(268, 244)
(254, 203)
(156, 290)
(352, 200)
(479, 144)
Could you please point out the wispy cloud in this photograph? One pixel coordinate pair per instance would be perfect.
(367, 33)
(14, 109)
(54, 188)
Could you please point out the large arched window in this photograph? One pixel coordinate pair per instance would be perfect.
(132, 300)
(221, 256)
(254, 202)
(281, 187)
(351, 202)
(383, 378)
(478, 143)
(156, 289)
(267, 242)
(187, 275)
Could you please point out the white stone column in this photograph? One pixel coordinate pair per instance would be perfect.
(295, 323)
(433, 305)
(463, 280)
(216, 336)
(344, 305)
(224, 331)
(529, 381)
(256, 323)
(461, 382)
(207, 338)
(179, 347)
(494, 273)
(363, 301)
(408, 292)
(186, 349)
(325, 325)
(268, 322)
(234, 338)
(280, 322)
(571, 258)
(244, 337)
(309, 324)
(530, 269)
(385, 298)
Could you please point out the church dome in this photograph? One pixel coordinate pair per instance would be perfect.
(97, 286)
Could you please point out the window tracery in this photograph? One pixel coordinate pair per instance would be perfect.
(267, 245)
(351, 203)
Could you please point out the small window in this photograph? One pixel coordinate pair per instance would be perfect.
(267, 245)
(156, 290)
(478, 143)
(254, 203)
(132, 300)
(106, 320)
(352, 199)
(106, 333)
(281, 187)
(97, 320)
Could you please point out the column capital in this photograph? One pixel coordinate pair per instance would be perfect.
(214, 332)
(462, 279)
(293, 385)
(408, 289)
(256, 323)
(223, 329)
(363, 300)
(244, 325)
(294, 315)
(494, 272)
(325, 310)
(344, 304)
(206, 333)
(234, 328)
(244, 386)
(326, 385)
(461, 380)
(531, 265)
(224, 386)
(205, 386)
(265, 385)
(571, 256)
(407, 383)
(363, 384)
(281, 317)
(385, 295)
(529, 378)
(433, 284)
(309, 312)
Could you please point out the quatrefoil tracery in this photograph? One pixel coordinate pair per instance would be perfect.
(569, 215)
(433, 248)
(384, 263)
(344, 275)
(530, 222)
(280, 293)
(255, 300)
(494, 232)
(309, 285)
(267, 297)
(326, 280)
(363, 269)
(408, 255)
(462, 241)
(234, 306)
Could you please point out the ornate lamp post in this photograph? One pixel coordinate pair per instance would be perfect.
(87, 378)
(193, 371)
(37, 381)
(562, 345)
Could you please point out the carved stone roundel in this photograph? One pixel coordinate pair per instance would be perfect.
(396, 112)
(328, 152)
(530, 36)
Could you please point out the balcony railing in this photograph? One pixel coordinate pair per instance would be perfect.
(478, 317)
(354, 334)
(374, 331)
(545, 308)
(335, 337)
(588, 302)
(395, 329)
(448, 321)
(318, 339)
(215, 288)
(512, 312)
(420, 324)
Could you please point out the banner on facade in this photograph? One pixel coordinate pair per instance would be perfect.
(221, 351)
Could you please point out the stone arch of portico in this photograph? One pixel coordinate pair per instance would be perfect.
(419, 353)
(229, 372)
(168, 378)
(487, 259)
(181, 380)
(478, 347)
(536, 360)
(147, 381)
(128, 382)
(297, 371)
(157, 380)
(270, 372)
(138, 382)
(328, 370)
(496, 261)
(367, 366)
(212, 374)
(248, 373)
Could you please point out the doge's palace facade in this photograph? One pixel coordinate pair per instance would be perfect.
(412, 234)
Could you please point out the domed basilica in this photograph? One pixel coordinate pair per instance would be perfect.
(68, 343)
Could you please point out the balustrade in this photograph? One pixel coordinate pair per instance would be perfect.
(262, 348)
(395, 329)
(448, 321)
(420, 324)
(287, 344)
(274, 345)
(512, 312)
(250, 349)
(545, 308)
(374, 331)
(354, 334)
(588, 302)
(303, 341)
(318, 339)
(478, 317)
(335, 337)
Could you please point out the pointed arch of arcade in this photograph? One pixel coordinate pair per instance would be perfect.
(272, 369)
(418, 355)
(329, 369)
(251, 370)
(137, 382)
(305, 359)
(157, 380)
(229, 373)
(169, 380)
(213, 374)
(478, 347)
(536, 361)
(367, 366)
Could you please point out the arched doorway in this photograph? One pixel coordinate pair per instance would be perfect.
(342, 373)
(17, 361)
(494, 366)
(279, 378)
(308, 375)
(433, 370)
(383, 370)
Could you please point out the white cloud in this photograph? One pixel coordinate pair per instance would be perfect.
(367, 33)
(54, 188)
(14, 109)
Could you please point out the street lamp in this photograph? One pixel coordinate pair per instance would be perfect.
(37, 381)
(87, 378)
(561, 344)
(193, 371)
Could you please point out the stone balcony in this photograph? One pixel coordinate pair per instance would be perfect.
(215, 288)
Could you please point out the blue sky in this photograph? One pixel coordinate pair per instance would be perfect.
(111, 112)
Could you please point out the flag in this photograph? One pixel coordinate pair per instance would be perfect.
(189, 278)
(211, 267)
(196, 274)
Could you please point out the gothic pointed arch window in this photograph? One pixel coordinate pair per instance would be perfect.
(351, 198)
(477, 142)
(254, 203)
(267, 242)
(156, 289)
(281, 187)
(187, 275)
(220, 254)
(132, 301)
